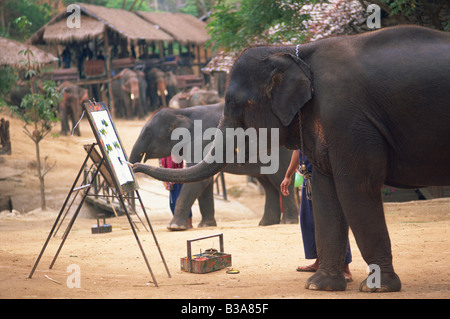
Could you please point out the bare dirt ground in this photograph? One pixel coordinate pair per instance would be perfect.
(111, 265)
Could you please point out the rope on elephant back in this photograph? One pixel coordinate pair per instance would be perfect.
(75, 126)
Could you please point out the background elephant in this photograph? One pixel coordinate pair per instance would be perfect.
(374, 110)
(129, 92)
(71, 106)
(22, 88)
(17, 92)
(155, 141)
(195, 96)
(161, 87)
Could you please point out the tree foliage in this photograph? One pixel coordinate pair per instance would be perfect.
(37, 109)
(235, 25)
(37, 12)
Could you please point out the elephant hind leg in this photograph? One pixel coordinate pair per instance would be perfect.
(288, 208)
(359, 192)
(206, 205)
(272, 208)
(183, 206)
(365, 215)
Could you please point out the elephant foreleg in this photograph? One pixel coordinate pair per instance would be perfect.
(331, 232)
(76, 115)
(63, 114)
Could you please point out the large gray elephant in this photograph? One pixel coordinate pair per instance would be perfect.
(155, 141)
(129, 92)
(374, 110)
(71, 106)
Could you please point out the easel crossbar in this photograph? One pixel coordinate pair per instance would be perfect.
(115, 196)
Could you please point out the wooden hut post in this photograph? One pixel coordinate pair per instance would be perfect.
(108, 72)
(199, 59)
(161, 50)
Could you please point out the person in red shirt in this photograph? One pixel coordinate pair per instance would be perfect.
(173, 188)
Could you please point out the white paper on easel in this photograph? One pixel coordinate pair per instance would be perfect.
(113, 147)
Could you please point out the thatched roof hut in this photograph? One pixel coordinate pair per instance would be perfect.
(127, 23)
(9, 54)
(94, 20)
(59, 33)
(184, 28)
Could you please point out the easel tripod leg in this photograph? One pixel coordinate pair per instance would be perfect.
(138, 241)
(69, 227)
(45, 245)
(153, 233)
(74, 217)
(60, 213)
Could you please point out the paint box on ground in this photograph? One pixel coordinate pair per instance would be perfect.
(101, 229)
(210, 260)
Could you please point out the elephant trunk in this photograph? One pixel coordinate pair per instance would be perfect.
(134, 89)
(162, 91)
(208, 167)
(136, 155)
(192, 174)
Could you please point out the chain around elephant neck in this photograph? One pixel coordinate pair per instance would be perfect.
(303, 169)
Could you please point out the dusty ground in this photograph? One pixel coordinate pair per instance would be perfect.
(111, 265)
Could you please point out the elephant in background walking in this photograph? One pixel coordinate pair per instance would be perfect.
(71, 106)
(155, 141)
(129, 92)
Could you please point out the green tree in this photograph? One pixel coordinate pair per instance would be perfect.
(37, 111)
(37, 108)
(37, 12)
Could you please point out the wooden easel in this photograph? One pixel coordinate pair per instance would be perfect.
(102, 164)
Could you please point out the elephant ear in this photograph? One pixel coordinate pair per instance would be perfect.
(290, 86)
